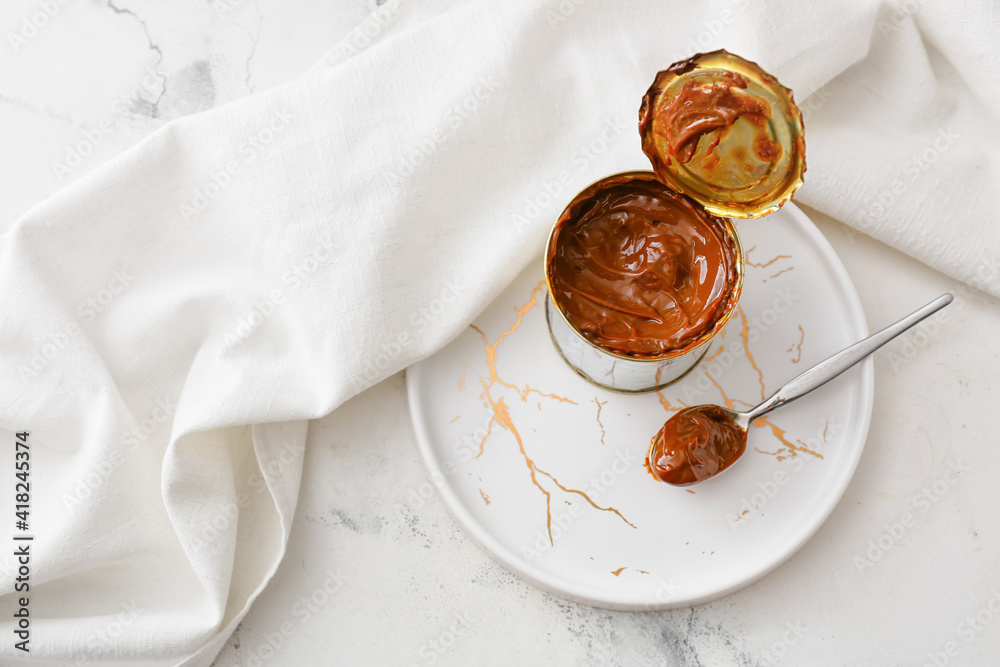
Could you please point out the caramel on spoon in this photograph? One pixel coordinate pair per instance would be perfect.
(700, 442)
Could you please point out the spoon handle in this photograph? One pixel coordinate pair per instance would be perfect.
(827, 370)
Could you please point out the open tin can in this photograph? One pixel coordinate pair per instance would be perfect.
(643, 268)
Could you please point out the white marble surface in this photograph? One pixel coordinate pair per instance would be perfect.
(410, 587)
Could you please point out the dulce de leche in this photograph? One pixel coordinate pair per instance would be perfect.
(641, 270)
(695, 444)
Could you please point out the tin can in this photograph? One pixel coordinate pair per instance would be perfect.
(619, 372)
(749, 162)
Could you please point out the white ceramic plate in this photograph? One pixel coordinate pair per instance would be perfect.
(548, 437)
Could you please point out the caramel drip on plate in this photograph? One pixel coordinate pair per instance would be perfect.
(802, 337)
(666, 403)
(599, 422)
(745, 335)
(527, 390)
(790, 448)
(730, 402)
(501, 415)
(717, 353)
(779, 273)
(763, 265)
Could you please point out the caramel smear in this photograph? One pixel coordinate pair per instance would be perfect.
(486, 498)
(528, 390)
(599, 422)
(779, 273)
(501, 415)
(764, 265)
(618, 571)
(789, 448)
(745, 335)
(729, 402)
(798, 348)
(667, 405)
(717, 353)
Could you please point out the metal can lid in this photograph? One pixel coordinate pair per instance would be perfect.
(723, 131)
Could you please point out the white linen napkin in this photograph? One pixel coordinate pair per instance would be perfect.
(169, 323)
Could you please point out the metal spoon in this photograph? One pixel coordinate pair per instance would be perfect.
(708, 439)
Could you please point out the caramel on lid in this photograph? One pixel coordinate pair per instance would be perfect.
(723, 131)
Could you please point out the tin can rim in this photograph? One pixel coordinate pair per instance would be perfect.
(707, 336)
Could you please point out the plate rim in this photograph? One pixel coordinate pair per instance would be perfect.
(576, 592)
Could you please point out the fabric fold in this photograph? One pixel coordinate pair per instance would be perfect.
(171, 321)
